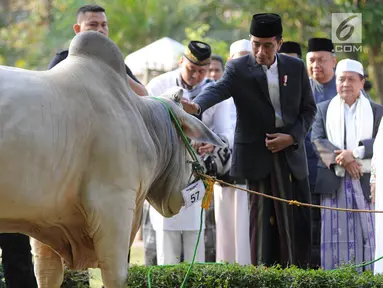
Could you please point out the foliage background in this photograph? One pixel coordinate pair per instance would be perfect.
(32, 31)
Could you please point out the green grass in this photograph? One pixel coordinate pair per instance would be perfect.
(137, 258)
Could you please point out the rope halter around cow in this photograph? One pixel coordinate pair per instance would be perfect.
(196, 166)
(197, 169)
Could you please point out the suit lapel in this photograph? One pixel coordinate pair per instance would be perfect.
(283, 82)
(260, 76)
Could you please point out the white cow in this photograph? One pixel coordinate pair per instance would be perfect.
(79, 153)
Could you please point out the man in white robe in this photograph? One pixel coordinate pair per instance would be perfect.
(343, 135)
(231, 205)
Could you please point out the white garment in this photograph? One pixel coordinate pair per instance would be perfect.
(233, 113)
(273, 85)
(232, 225)
(217, 119)
(378, 162)
(351, 129)
(232, 216)
(358, 120)
(169, 246)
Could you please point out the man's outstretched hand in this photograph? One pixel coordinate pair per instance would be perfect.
(190, 107)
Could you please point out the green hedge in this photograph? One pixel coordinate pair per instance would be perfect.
(225, 276)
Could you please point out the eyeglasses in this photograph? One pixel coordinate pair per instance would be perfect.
(319, 61)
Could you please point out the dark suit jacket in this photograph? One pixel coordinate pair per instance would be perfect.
(245, 81)
(327, 182)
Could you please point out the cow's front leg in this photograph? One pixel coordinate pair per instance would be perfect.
(112, 223)
(48, 265)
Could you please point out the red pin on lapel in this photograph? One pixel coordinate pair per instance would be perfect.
(285, 80)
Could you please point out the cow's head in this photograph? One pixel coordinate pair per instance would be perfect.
(165, 194)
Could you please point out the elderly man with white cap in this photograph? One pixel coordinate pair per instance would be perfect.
(231, 205)
(343, 136)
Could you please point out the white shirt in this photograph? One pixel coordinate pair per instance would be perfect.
(215, 118)
(233, 113)
(351, 128)
(273, 84)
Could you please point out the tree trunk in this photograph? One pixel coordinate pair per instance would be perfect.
(376, 62)
(4, 4)
(49, 11)
(46, 16)
(4, 12)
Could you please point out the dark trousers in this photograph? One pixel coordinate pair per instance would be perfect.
(280, 233)
(210, 235)
(17, 261)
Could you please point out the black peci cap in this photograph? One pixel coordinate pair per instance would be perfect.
(265, 25)
(199, 53)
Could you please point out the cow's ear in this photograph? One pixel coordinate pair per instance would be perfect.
(175, 94)
(198, 131)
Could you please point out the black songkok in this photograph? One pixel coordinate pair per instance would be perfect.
(266, 25)
(291, 47)
(320, 44)
(199, 53)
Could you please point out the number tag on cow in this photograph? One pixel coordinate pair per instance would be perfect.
(193, 193)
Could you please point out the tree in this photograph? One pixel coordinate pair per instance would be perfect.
(28, 33)
(199, 33)
(134, 24)
(16, 30)
(372, 39)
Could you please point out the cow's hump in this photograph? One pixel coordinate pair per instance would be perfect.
(95, 45)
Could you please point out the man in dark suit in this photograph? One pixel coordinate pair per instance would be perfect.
(275, 109)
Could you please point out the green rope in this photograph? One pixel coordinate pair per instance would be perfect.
(191, 263)
(368, 263)
(149, 277)
(178, 125)
(195, 251)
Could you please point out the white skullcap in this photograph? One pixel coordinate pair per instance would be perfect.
(349, 65)
(239, 46)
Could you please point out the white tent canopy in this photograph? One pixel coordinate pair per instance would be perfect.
(163, 55)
